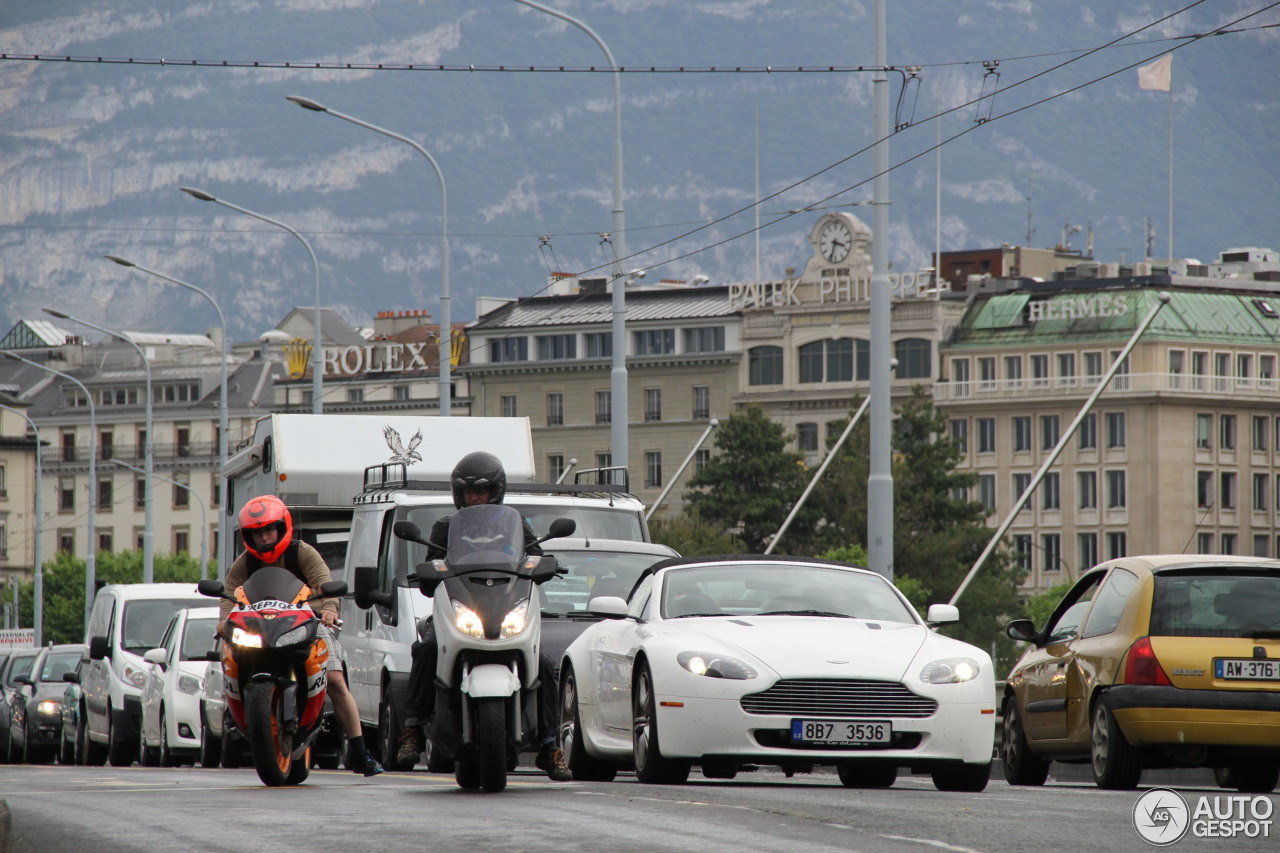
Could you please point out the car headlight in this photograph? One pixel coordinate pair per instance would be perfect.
(514, 622)
(49, 707)
(289, 638)
(246, 639)
(715, 666)
(950, 671)
(467, 621)
(132, 675)
(189, 684)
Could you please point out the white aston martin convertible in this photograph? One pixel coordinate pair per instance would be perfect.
(733, 662)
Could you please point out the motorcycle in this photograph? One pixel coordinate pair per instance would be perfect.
(488, 627)
(273, 664)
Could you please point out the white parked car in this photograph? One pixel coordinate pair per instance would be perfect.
(171, 693)
(729, 662)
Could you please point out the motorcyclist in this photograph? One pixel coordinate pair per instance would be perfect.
(477, 479)
(267, 529)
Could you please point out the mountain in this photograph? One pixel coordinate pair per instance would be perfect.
(93, 153)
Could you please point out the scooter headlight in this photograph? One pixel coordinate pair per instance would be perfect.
(515, 621)
(245, 639)
(467, 621)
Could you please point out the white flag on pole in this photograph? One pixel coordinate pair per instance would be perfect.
(1158, 75)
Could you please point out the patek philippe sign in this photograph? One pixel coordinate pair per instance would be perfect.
(1078, 307)
(834, 286)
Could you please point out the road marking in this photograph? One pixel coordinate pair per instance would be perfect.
(932, 843)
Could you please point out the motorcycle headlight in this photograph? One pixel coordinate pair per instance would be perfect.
(297, 635)
(189, 684)
(950, 671)
(245, 639)
(514, 622)
(715, 666)
(466, 621)
(49, 707)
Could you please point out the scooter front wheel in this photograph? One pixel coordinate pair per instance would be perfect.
(269, 746)
(491, 743)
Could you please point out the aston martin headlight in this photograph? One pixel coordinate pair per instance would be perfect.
(514, 622)
(49, 707)
(950, 671)
(467, 621)
(189, 684)
(715, 666)
(245, 639)
(289, 638)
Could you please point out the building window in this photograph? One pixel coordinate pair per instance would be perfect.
(986, 373)
(1087, 551)
(105, 540)
(508, 349)
(68, 447)
(654, 342)
(1013, 372)
(355, 395)
(1066, 369)
(1022, 482)
(1228, 541)
(1117, 545)
(960, 434)
(987, 491)
(1021, 433)
(1022, 551)
(181, 491)
(807, 438)
(764, 365)
(1093, 365)
(1039, 371)
(1177, 366)
(1227, 490)
(862, 359)
(1116, 497)
(507, 405)
(139, 492)
(555, 409)
(604, 407)
(700, 460)
(986, 435)
(1261, 545)
(66, 494)
(555, 466)
(1261, 489)
(1048, 432)
(1204, 431)
(1088, 434)
(1204, 543)
(1087, 489)
(1115, 429)
(1051, 491)
(1051, 545)
(4, 482)
(914, 358)
(653, 469)
(183, 435)
(1259, 429)
(557, 347)
(1120, 379)
(1204, 489)
(401, 393)
(1226, 432)
(827, 361)
(105, 450)
(181, 540)
(960, 376)
(652, 404)
(704, 339)
(67, 541)
(599, 344)
(701, 402)
(1199, 367)
(215, 497)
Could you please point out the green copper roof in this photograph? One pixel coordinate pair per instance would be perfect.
(1112, 315)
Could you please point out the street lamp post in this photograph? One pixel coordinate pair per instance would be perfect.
(204, 517)
(37, 602)
(224, 530)
(317, 356)
(446, 309)
(618, 377)
(148, 449)
(91, 558)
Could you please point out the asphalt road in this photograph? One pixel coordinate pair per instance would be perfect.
(55, 809)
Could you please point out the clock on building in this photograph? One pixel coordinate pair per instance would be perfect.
(835, 240)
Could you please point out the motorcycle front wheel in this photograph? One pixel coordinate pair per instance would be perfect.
(270, 747)
(491, 743)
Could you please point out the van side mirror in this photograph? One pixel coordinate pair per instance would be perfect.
(97, 647)
(367, 593)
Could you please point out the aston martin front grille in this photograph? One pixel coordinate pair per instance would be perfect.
(832, 697)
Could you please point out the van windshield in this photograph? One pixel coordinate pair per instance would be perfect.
(145, 620)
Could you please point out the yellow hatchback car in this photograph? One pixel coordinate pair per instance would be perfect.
(1152, 661)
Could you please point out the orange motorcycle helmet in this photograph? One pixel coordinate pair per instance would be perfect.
(261, 512)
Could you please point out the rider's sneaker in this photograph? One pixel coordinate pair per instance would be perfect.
(411, 747)
(551, 761)
(365, 764)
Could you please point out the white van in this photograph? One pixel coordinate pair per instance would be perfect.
(376, 642)
(127, 621)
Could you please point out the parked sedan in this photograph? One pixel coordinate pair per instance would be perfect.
(35, 711)
(18, 664)
(727, 662)
(170, 732)
(1152, 661)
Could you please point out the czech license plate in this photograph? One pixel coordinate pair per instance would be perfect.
(841, 732)
(1246, 669)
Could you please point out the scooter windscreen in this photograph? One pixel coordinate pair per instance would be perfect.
(489, 535)
(486, 551)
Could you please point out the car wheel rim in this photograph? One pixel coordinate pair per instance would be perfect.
(568, 718)
(644, 719)
(1099, 739)
(1010, 734)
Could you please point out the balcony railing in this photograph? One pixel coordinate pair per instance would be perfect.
(1244, 388)
(53, 458)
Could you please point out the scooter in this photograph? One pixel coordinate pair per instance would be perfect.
(488, 626)
(273, 665)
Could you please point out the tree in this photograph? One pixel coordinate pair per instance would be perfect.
(751, 483)
(693, 537)
(1040, 607)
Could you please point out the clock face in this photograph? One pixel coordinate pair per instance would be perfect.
(835, 241)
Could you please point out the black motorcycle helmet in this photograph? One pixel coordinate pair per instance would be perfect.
(479, 469)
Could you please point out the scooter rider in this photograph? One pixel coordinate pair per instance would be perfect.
(477, 479)
(267, 529)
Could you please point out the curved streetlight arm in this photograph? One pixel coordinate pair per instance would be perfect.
(317, 356)
(37, 593)
(446, 308)
(91, 557)
(148, 528)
